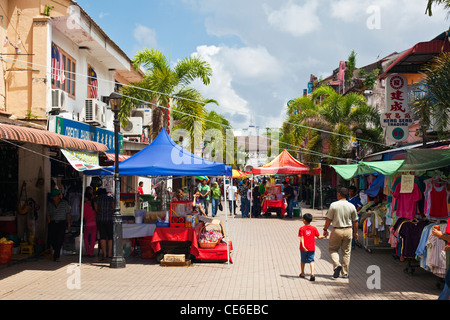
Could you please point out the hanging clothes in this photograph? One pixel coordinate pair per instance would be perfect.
(436, 256)
(410, 235)
(407, 203)
(436, 199)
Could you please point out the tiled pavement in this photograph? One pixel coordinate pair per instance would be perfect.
(266, 267)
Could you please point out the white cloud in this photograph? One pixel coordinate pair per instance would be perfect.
(220, 87)
(102, 14)
(255, 64)
(295, 19)
(145, 37)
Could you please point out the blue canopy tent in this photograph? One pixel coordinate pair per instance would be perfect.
(163, 157)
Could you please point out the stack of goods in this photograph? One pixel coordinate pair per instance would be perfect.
(209, 238)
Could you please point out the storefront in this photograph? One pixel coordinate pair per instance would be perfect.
(403, 200)
(34, 164)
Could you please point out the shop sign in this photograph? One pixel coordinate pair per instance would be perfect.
(80, 130)
(396, 119)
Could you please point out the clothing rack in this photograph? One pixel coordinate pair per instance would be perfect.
(373, 225)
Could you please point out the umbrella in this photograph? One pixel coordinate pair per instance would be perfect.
(237, 174)
(202, 178)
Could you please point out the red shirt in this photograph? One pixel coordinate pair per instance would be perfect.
(140, 190)
(309, 233)
(447, 231)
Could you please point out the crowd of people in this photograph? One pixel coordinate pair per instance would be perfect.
(97, 222)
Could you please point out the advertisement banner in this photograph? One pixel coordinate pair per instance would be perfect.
(82, 160)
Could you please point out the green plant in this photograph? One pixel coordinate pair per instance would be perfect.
(47, 9)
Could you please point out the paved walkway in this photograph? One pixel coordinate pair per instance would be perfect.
(266, 267)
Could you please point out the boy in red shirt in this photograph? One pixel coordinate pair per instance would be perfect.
(307, 235)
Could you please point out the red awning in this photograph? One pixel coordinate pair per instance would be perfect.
(413, 59)
(47, 138)
(112, 157)
(284, 163)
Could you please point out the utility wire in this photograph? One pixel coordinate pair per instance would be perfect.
(174, 110)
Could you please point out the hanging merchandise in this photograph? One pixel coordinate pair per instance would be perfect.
(22, 206)
(407, 203)
(436, 198)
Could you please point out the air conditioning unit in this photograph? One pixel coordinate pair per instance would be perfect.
(59, 98)
(133, 128)
(145, 114)
(94, 112)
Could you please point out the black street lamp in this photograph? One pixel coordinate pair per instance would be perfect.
(117, 261)
(358, 133)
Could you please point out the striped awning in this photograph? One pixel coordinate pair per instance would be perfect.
(111, 156)
(47, 138)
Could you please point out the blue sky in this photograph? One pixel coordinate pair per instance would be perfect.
(263, 51)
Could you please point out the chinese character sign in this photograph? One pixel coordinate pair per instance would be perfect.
(396, 118)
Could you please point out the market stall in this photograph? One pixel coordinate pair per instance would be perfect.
(163, 157)
(414, 200)
(283, 164)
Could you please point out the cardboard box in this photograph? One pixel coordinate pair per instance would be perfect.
(174, 258)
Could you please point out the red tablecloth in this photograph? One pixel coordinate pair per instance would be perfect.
(176, 234)
(190, 234)
(220, 252)
(274, 203)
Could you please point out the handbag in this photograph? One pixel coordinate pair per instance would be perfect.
(220, 206)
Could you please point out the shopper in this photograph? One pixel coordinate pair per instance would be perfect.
(104, 205)
(256, 208)
(140, 187)
(245, 202)
(445, 294)
(58, 219)
(342, 215)
(215, 198)
(308, 234)
(205, 192)
(90, 225)
(289, 196)
(196, 203)
(232, 196)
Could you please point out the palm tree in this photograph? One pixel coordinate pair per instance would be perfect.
(166, 86)
(330, 117)
(446, 4)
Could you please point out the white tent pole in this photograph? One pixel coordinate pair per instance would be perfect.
(82, 217)
(226, 217)
(233, 211)
(251, 198)
(314, 192)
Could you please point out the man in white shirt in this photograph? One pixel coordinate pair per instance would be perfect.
(232, 196)
(342, 215)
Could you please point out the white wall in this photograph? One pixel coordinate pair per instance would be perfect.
(83, 58)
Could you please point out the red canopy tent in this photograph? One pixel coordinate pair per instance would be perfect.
(284, 163)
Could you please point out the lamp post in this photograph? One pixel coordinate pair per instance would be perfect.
(358, 133)
(117, 261)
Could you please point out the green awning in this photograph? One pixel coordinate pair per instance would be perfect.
(416, 160)
(348, 171)
(426, 159)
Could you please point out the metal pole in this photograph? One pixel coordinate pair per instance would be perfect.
(226, 217)
(314, 192)
(117, 261)
(82, 217)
